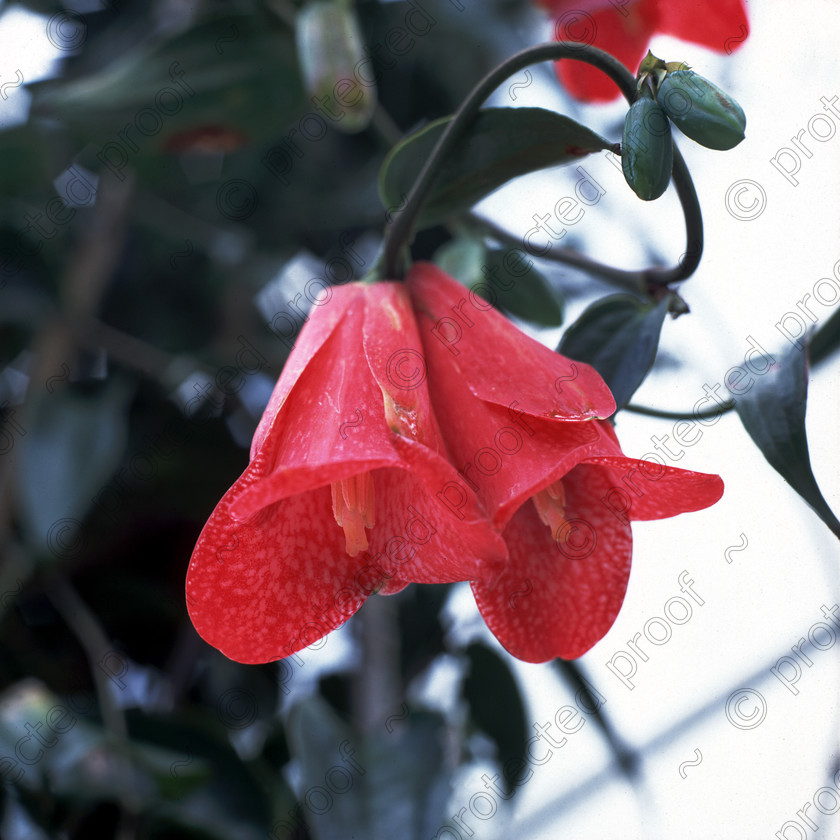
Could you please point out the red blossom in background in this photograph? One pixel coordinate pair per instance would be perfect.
(624, 28)
(519, 422)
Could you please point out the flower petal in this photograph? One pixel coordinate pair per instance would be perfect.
(557, 599)
(465, 339)
(317, 329)
(623, 32)
(263, 589)
(644, 490)
(332, 423)
(715, 25)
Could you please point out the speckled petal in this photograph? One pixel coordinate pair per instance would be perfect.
(558, 598)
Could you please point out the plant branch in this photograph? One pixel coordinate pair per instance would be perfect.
(681, 415)
(400, 231)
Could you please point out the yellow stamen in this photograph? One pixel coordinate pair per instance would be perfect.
(352, 503)
(550, 503)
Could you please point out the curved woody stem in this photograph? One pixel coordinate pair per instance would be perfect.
(400, 231)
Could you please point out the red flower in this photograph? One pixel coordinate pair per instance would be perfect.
(351, 487)
(347, 492)
(518, 421)
(625, 27)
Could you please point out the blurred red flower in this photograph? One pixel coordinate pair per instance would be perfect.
(624, 28)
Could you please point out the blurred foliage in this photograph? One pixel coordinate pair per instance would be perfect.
(168, 176)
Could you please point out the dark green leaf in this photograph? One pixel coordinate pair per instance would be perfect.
(502, 143)
(773, 413)
(496, 706)
(520, 289)
(619, 336)
(67, 454)
(24, 159)
(504, 277)
(233, 75)
(407, 785)
(392, 784)
(826, 339)
(320, 740)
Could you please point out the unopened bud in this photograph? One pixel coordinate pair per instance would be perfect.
(701, 110)
(330, 46)
(647, 152)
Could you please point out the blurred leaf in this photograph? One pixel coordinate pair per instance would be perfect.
(407, 785)
(203, 816)
(16, 823)
(462, 258)
(504, 277)
(320, 741)
(78, 758)
(619, 336)
(224, 82)
(496, 706)
(521, 290)
(588, 698)
(773, 413)
(501, 143)
(22, 149)
(392, 785)
(825, 340)
(67, 454)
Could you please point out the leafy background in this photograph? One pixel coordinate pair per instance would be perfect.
(114, 322)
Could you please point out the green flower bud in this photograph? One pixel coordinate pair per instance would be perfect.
(330, 46)
(647, 152)
(701, 110)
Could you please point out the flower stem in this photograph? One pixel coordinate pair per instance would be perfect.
(681, 415)
(399, 233)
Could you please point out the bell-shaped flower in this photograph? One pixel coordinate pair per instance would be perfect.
(340, 498)
(522, 426)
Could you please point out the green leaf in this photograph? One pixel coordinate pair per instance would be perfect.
(504, 277)
(496, 706)
(825, 340)
(392, 784)
(501, 143)
(462, 258)
(25, 159)
(67, 454)
(236, 74)
(319, 739)
(407, 785)
(773, 413)
(521, 290)
(619, 336)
